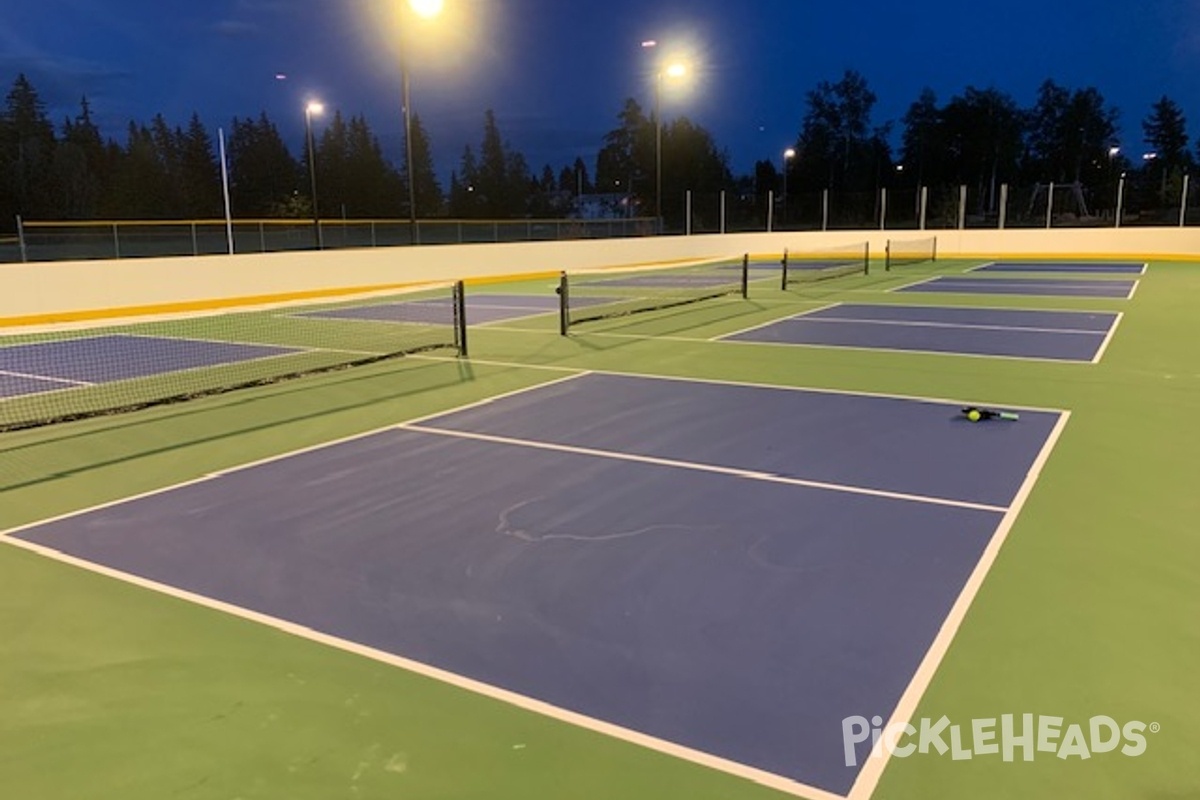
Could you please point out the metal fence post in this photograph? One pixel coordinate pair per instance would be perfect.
(883, 208)
(962, 207)
(825, 210)
(21, 239)
(1003, 205)
(116, 241)
(1120, 200)
(1183, 200)
(924, 206)
(1050, 205)
(770, 210)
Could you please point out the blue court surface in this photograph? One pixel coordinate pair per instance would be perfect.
(47, 366)
(730, 568)
(1079, 267)
(1055, 335)
(1042, 287)
(481, 308)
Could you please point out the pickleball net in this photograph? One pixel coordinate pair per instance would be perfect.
(809, 266)
(59, 376)
(592, 295)
(910, 251)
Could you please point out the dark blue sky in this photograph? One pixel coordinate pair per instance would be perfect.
(557, 71)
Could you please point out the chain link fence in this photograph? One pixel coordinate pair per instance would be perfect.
(1126, 201)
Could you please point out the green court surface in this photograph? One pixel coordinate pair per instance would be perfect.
(110, 690)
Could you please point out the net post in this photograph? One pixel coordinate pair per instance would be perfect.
(564, 313)
(783, 265)
(934, 256)
(460, 318)
(887, 256)
(746, 276)
(867, 258)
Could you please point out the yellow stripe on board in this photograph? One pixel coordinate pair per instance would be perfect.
(1069, 256)
(213, 304)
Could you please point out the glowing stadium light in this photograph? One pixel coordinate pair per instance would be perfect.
(426, 8)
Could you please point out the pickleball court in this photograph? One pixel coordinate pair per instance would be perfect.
(725, 567)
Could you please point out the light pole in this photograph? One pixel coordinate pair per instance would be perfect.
(788, 155)
(673, 70)
(425, 9)
(309, 110)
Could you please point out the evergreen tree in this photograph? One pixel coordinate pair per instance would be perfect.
(981, 140)
(199, 172)
(82, 173)
(430, 201)
(367, 173)
(1068, 132)
(333, 167)
(627, 158)
(27, 146)
(264, 178)
(922, 147)
(464, 192)
(837, 147)
(1165, 130)
(142, 187)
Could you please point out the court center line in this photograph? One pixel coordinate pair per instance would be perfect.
(773, 322)
(698, 467)
(46, 378)
(952, 325)
(910, 284)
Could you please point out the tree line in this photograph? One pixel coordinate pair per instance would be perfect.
(980, 138)
(983, 138)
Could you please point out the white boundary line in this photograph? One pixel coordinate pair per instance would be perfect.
(1064, 267)
(725, 382)
(712, 468)
(46, 378)
(1112, 331)
(868, 777)
(904, 286)
(925, 302)
(947, 353)
(1000, 284)
(521, 701)
(204, 340)
(769, 323)
(923, 324)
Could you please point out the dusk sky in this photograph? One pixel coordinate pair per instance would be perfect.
(556, 72)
